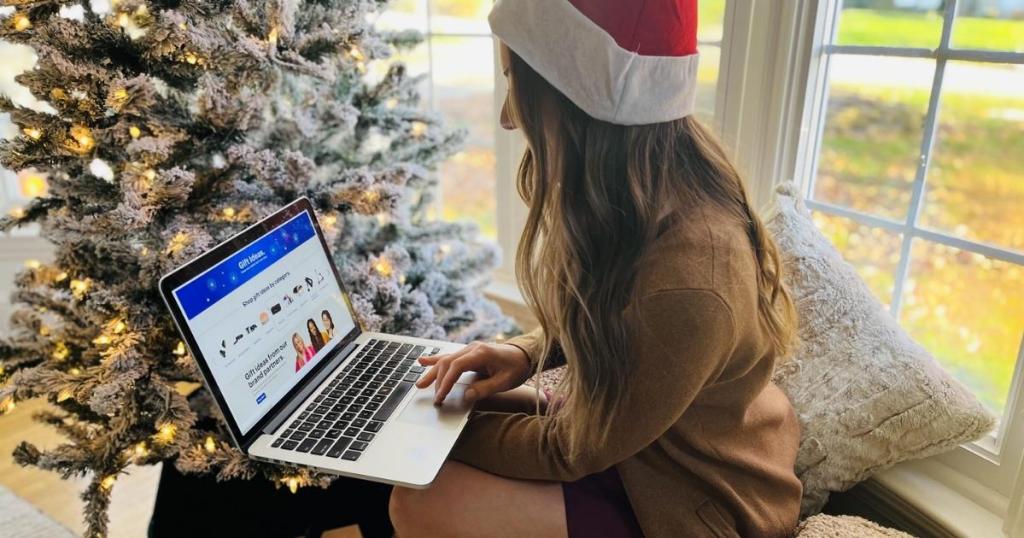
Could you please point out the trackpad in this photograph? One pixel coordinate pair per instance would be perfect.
(421, 410)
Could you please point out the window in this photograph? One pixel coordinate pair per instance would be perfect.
(917, 176)
(457, 57)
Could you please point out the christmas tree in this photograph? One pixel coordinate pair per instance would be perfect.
(176, 124)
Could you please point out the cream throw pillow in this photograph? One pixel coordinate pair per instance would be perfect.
(867, 395)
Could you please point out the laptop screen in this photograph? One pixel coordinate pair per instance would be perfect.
(265, 315)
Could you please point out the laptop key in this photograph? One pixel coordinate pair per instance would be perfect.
(339, 447)
(389, 384)
(303, 414)
(341, 425)
(374, 426)
(365, 436)
(277, 442)
(287, 433)
(359, 445)
(411, 377)
(417, 351)
(372, 406)
(322, 446)
(359, 423)
(378, 398)
(417, 369)
(392, 402)
(352, 432)
(298, 435)
(355, 408)
(367, 413)
(306, 445)
(324, 424)
(290, 445)
(317, 433)
(350, 456)
(333, 434)
(305, 427)
(339, 407)
(332, 416)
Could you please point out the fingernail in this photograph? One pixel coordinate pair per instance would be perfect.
(470, 395)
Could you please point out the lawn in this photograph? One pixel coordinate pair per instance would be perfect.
(916, 29)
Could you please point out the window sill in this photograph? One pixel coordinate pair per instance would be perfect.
(928, 498)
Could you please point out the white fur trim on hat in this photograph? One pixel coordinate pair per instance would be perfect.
(585, 63)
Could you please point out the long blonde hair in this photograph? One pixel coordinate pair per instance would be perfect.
(595, 193)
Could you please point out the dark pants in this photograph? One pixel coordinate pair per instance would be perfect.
(188, 505)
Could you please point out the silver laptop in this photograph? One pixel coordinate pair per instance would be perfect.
(268, 321)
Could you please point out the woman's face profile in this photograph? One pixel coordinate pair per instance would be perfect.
(297, 342)
(506, 64)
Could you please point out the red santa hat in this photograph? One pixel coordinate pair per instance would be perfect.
(621, 61)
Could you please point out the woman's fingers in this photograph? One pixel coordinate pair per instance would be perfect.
(485, 388)
(427, 378)
(451, 375)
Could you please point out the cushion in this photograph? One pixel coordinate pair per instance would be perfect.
(823, 526)
(867, 396)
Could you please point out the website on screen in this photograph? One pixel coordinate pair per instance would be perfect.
(265, 315)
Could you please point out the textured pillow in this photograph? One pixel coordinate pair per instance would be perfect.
(822, 526)
(866, 394)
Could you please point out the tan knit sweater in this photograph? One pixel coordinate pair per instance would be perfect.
(705, 443)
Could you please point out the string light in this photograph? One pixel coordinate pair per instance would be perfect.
(210, 444)
(166, 431)
(330, 220)
(32, 132)
(293, 483)
(446, 248)
(391, 103)
(141, 450)
(122, 20)
(79, 287)
(44, 330)
(61, 276)
(31, 183)
(419, 129)
(17, 212)
(150, 174)
(7, 405)
(383, 266)
(108, 482)
(272, 36)
(74, 371)
(21, 22)
(119, 327)
(191, 58)
(229, 212)
(63, 395)
(101, 340)
(83, 137)
(371, 196)
(60, 351)
(134, 131)
(58, 93)
(357, 54)
(179, 350)
(33, 264)
(177, 243)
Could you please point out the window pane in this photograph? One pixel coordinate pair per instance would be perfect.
(968, 310)
(404, 15)
(873, 129)
(707, 81)
(896, 23)
(460, 16)
(975, 185)
(989, 25)
(464, 95)
(710, 19)
(874, 252)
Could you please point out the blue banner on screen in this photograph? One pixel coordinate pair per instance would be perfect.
(225, 277)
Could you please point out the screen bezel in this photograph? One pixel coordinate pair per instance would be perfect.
(221, 252)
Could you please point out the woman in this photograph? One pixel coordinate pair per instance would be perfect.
(315, 337)
(303, 353)
(655, 283)
(328, 332)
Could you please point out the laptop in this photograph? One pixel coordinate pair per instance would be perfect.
(267, 319)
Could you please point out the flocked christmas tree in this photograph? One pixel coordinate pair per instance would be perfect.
(178, 123)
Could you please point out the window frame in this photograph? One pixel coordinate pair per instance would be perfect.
(988, 473)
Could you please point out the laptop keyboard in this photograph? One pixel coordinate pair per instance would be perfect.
(344, 418)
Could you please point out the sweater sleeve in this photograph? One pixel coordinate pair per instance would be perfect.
(682, 342)
(532, 343)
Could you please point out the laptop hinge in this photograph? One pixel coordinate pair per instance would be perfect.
(301, 396)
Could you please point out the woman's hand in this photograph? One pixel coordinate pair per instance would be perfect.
(503, 366)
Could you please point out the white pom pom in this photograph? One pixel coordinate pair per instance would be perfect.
(75, 12)
(102, 170)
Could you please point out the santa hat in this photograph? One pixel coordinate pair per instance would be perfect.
(621, 61)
